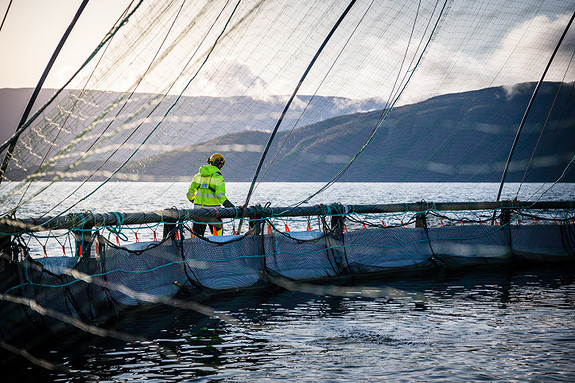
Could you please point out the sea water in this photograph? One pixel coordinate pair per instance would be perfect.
(497, 325)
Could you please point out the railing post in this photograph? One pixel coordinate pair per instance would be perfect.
(337, 225)
(5, 247)
(83, 235)
(420, 220)
(505, 217)
(171, 217)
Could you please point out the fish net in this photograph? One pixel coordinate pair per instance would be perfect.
(322, 91)
(316, 91)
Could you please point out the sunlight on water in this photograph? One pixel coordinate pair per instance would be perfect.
(149, 196)
(509, 325)
(500, 325)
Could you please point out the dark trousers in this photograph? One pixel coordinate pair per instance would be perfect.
(214, 223)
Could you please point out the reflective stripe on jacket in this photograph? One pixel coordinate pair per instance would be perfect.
(208, 187)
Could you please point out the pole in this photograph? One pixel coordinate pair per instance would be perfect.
(10, 226)
(286, 108)
(529, 107)
(36, 92)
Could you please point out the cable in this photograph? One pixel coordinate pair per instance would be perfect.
(272, 135)
(5, 15)
(315, 92)
(36, 92)
(520, 128)
(382, 118)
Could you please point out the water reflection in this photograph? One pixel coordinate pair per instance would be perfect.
(508, 324)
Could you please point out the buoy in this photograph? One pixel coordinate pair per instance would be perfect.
(64, 250)
(269, 229)
(137, 239)
(364, 226)
(155, 237)
(118, 240)
(308, 226)
(287, 228)
(44, 248)
(442, 225)
(382, 223)
(215, 231)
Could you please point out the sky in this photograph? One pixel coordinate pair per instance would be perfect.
(459, 59)
(33, 28)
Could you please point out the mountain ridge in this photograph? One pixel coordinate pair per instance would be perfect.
(462, 137)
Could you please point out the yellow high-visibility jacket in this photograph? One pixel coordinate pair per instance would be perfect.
(208, 187)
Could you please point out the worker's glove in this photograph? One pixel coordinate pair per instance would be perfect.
(227, 203)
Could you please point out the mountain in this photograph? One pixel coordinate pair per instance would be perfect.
(462, 137)
(212, 111)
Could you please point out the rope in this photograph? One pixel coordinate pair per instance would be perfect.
(520, 128)
(385, 113)
(272, 135)
(163, 117)
(5, 15)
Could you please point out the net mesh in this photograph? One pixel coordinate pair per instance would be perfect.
(402, 91)
(146, 272)
(316, 91)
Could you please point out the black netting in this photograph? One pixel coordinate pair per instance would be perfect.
(220, 265)
(148, 267)
(300, 255)
(471, 245)
(373, 250)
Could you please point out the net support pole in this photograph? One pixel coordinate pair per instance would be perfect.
(286, 108)
(83, 234)
(36, 92)
(529, 106)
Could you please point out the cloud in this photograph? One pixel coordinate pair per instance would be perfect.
(520, 56)
(229, 78)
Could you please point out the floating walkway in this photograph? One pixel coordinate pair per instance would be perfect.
(103, 277)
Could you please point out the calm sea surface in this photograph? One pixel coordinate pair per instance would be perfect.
(496, 325)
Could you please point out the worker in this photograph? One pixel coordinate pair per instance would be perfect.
(208, 189)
